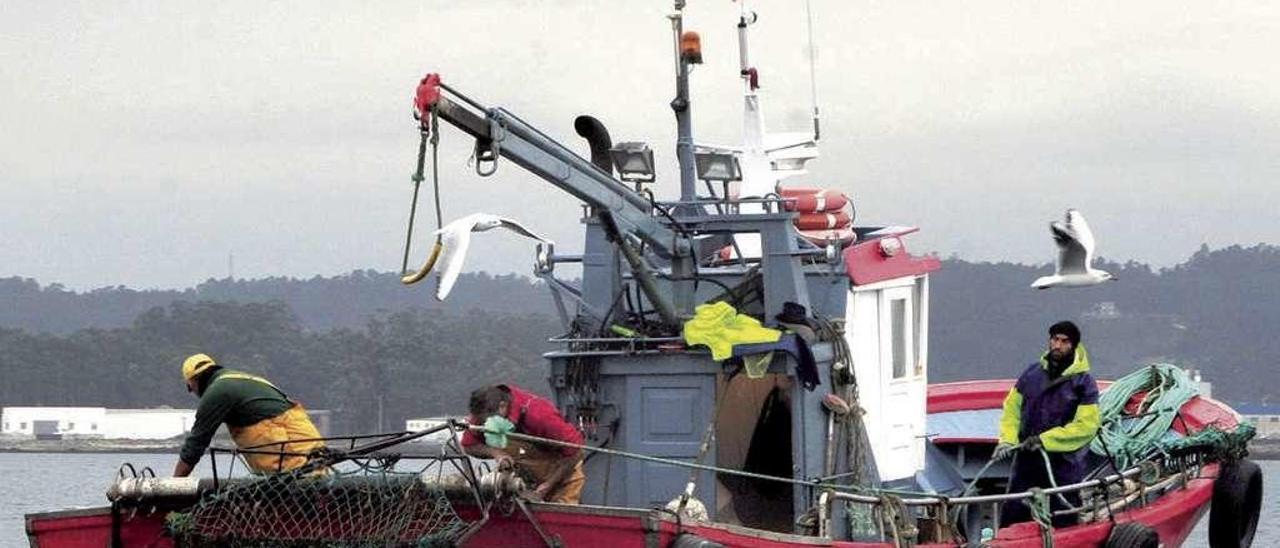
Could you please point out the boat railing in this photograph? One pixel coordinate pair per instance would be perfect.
(375, 453)
(614, 340)
(1097, 500)
(771, 203)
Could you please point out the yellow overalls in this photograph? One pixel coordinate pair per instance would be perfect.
(535, 463)
(269, 438)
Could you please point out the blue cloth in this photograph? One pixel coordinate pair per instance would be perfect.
(806, 367)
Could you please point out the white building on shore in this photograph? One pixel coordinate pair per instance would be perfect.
(95, 422)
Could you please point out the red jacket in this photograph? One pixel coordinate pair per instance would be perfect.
(534, 416)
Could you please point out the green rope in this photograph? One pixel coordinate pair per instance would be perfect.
(1043, 516)
(1048, 470)
(1132, 437)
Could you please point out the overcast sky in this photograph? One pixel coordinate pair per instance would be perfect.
(145, 142)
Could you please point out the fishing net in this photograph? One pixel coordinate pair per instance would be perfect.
(361, 508)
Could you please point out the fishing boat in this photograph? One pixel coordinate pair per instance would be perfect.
(829, 435)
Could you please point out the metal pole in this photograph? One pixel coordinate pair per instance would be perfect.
(684, 119)
(682, 266)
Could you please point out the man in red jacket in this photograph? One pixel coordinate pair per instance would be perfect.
(556, 471)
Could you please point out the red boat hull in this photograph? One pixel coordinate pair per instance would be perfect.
(1173, 515)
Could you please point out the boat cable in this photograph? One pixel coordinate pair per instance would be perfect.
(430, 131)
(1048, 468)
(1033, 502)
(816, 483)
(685, 503)
(813, 71)
(417, 179)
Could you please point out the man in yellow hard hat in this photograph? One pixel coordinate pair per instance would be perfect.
(261, 418)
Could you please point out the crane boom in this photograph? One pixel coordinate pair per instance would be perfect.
(499, 133)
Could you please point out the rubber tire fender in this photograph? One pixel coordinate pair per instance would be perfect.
(1132, 534)
(1237, 503)
(690, 540)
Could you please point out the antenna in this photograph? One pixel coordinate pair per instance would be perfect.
(813, 73)
(231, 266)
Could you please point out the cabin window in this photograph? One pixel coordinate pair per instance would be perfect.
(898, 319)
(71, 426)
(22, 426)
(917, 352)
(93, 426)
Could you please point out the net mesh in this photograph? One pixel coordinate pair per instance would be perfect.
(361, 508)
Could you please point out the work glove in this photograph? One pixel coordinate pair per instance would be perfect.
(496, 428)
(1032, 443)
(1003, 451)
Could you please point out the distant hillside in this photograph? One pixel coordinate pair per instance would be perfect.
(398, 365)
(1218, 312)
(320, 303)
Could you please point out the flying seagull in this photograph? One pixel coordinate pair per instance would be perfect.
(1075, 255)
(451, 248)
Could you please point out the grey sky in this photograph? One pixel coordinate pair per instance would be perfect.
(143, 142)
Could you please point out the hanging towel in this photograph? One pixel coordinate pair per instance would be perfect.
(719, 326)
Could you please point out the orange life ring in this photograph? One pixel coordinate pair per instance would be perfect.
(813, 200)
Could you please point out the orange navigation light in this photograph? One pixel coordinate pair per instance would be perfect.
(691, 47)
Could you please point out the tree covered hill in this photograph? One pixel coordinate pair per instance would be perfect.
(404, 364)
(361, 342)
(1218, 312)
(320, 303)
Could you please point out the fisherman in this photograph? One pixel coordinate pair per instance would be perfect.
(555, 471)
(1054, 408)
(259, 416)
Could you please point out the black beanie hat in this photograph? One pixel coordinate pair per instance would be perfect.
(1066, 328)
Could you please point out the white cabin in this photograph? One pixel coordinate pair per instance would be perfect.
(887, 319)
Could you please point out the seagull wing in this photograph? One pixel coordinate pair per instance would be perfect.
(518, 228)
(1072, 257)
(455, 238)
(1084, 235)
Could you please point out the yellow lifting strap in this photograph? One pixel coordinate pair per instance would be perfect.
(426, 268)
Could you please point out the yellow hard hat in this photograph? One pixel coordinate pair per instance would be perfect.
(193, 366)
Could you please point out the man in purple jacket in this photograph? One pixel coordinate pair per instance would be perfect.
(1053, 408)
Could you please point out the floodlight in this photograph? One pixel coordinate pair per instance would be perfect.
(634, 162)
(717, 166)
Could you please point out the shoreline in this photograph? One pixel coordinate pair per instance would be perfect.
(90, 446)
(1259, 449)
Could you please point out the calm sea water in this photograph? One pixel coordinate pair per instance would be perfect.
(53, 481)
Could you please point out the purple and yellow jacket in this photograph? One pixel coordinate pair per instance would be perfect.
(1062, 411)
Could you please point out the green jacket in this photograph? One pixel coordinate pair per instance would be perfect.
(234, 398)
